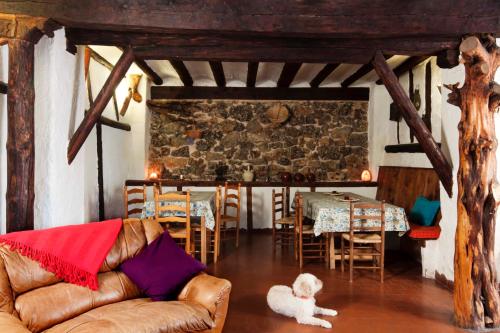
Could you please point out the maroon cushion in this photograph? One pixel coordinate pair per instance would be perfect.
(162, 269)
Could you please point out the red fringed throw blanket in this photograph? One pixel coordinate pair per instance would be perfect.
(73, 253)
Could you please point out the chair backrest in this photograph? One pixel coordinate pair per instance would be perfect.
(278, 205)
(365, 216)
(232, 198)
(168, 210)
(134, 198)
(299, 210)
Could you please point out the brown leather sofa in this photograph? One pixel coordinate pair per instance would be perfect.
(34, 300)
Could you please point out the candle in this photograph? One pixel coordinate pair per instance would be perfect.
(366, 176)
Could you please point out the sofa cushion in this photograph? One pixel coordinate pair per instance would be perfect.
(47, 306)
(139, 315)
(162, 269)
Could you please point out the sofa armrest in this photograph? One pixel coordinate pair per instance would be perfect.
(212, 293)
(11, 324)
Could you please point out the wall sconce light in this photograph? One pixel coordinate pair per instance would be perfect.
(153, 175)
(366, 176)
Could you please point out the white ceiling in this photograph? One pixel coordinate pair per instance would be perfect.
(236, 72)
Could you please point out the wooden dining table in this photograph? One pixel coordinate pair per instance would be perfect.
(331, 213)
(202, 205)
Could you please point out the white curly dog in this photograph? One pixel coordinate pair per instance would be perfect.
(298, 302)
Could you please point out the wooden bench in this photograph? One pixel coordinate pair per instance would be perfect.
(401, 186)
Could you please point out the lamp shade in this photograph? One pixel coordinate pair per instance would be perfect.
(366, 176)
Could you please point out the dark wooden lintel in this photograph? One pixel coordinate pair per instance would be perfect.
(323, 74)
(242, 93)
(253, 68)
(288, 74)
(202, 183)
(183, 72)
(218, 72)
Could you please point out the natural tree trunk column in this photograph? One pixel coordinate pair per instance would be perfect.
(20, 136)
(476, 295)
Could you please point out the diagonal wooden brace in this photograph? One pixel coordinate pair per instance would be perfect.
(410, 115)
(94, 114)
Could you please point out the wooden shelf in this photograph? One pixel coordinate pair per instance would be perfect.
(405, 148)
(175, 183)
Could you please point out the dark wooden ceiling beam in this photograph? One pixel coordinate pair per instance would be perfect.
(253, 67)
(323, 74)
(281, 17)
(182, 71)
(242, 93)
(290, 69)
(362, 71)
(261, 48)
(407, 65)
(218, 72)
(415, 122)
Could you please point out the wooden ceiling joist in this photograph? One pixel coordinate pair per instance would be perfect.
(147, 70)
(324, 18)
(362, 71)
(95, 112)
(323, 74)
(414, 121)
(183, 72)
(242, 93)
(288, 74)
(407, 65)
(218, 72)
(253, 67)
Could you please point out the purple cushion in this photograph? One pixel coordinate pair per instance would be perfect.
(162, 269)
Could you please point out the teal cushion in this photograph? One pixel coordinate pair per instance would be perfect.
(424, 211)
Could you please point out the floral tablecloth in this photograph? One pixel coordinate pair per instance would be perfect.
(202, 204)
(332, 215)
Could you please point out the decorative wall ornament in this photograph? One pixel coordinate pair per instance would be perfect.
(278, 114)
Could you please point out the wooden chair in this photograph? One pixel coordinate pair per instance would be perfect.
(285, 234)
(365, 241)
(177, 220)
(307, 246)
(231, 203)
(134, 199)
(213, 237)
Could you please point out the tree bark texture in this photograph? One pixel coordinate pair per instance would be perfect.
(476, 294)
(20, 136)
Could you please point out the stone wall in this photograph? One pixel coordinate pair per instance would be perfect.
(327, 138)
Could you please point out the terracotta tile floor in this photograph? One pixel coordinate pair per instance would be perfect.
(404, 303)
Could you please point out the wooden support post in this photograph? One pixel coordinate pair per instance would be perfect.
(183, 72)
(249, 210)
(100, 171)
(424, 137)
(92, 117)
(290, 69)
(20, 136)
(476, 294)
(218, 72)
